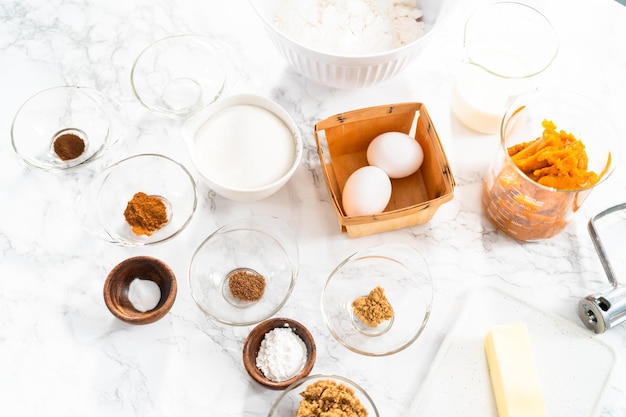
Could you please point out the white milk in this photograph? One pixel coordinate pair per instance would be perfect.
(244, 147)
(480, 98)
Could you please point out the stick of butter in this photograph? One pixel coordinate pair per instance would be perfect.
(513, 373)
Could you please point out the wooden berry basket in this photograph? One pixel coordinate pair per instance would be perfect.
(342, 142)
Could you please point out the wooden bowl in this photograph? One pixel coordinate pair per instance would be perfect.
(253, 343)
(118, 281)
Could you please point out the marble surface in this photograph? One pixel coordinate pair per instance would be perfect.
(63, 354)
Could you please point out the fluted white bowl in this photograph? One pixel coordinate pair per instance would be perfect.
(354, 71)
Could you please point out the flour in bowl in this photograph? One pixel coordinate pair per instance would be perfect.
(350, 27)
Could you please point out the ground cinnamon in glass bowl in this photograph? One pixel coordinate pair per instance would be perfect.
(145, 213)
(141, 200)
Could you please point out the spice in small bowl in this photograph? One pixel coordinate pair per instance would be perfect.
(69, 144)
(140, 290)
(245, 285)
(278, 352)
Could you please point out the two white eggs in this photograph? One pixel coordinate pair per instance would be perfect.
(390, 155)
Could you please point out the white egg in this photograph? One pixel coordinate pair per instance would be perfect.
(367, 191)
(396, 153)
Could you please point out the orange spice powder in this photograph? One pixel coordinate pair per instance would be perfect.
(145, 214)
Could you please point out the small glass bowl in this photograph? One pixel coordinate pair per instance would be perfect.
(263, 245)
(180, 75)
(403, 274)
(101, 206)
(65, 110)
(287, 404)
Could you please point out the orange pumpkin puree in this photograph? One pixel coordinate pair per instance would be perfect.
(527, 212)
(556, 159)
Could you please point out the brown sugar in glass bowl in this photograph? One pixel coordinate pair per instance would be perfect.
(117, 283)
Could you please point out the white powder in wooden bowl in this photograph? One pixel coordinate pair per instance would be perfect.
(282, 354)
(350, 27)
(144, 294)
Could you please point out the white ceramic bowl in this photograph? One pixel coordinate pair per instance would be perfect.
(348, 72)
(232, 152)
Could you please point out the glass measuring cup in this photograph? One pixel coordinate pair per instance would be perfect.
(506, 46)
(524, 208)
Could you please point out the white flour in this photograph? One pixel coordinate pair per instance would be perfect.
(350, 27)
(282, 354)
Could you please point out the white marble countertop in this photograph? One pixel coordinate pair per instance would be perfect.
(63, 354)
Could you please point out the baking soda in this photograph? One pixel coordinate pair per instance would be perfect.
(144, 294)
(282, 354)
(350, 27)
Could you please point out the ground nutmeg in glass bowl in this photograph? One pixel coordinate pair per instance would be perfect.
(246, 285)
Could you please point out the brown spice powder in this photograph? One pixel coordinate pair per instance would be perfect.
(246, 286)
(328, 398)
(374, 308)
(145, 214)
(68, 146)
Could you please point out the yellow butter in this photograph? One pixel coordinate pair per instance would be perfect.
(513, 372)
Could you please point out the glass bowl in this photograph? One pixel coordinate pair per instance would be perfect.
(101, 207)
(257, 245)
(180, 75)
(53, 115)
(287, 404)
(405, 279)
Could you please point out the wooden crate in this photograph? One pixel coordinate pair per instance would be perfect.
(342, 142)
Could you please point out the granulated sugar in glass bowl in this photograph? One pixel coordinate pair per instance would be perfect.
(367, 54)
